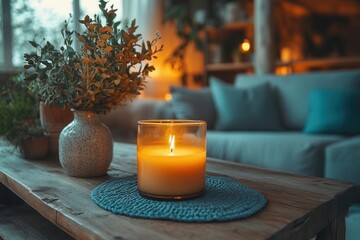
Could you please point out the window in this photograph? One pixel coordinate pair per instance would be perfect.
(40, 20)
(1, 37)
(90, 7)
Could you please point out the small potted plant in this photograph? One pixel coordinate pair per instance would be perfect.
(20, 124)
(108, 71)
(28, 136)
(48, 82)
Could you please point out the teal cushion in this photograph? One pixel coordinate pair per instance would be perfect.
(293, 91)
(248, 108)
(334, 112)
(193, 104)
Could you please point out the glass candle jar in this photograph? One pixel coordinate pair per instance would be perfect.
(171, 158)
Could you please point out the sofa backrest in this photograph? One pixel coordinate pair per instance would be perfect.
(123, 121)
(293, 91)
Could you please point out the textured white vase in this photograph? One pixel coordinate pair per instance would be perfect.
(85, 146)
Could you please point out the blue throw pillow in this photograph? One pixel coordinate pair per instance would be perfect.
(248, 108)
(334, 112)
(193, 104)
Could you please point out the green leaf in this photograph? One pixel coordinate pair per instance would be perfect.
(34, 44)
(31, 77)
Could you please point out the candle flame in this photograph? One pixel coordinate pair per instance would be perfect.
(172, 142)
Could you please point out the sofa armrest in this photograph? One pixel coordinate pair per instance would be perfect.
(123, 121)
(342, 160)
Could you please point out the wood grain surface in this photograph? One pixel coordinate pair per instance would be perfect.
(298, 207)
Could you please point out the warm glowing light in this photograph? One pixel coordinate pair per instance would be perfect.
(168, 97)
(172, 142)
(169, 171)
(285, 54)
(284, 70)
(245, 46)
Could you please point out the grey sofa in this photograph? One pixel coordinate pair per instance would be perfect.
(287, 148)
(291, 149)
(285, 145)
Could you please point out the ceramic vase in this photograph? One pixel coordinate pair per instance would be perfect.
(85, 146)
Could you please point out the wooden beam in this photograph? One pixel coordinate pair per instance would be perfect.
(264, 37)
(7, 33)
(23, 222)
(331, 7)
(335, 230)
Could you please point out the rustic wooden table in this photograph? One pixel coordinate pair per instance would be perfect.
(298, 207)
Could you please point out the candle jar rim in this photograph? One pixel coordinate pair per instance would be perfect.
(172, 122)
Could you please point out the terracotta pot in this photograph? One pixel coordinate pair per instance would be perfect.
(85, 146)
(53, 120)
(35, 148)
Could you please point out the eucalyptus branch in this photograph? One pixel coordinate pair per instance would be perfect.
(101, 75)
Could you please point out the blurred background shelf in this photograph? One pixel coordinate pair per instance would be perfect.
(241, 66)
(228, 71)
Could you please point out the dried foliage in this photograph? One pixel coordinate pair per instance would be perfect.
(109, 70)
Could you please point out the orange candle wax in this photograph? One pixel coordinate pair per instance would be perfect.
(177, 171)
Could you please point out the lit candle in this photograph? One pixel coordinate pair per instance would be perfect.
(172, 169)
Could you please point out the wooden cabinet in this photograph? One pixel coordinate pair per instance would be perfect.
(229, 45)
(297, 42)
(224, 43)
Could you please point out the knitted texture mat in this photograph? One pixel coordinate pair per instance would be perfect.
(224, 200)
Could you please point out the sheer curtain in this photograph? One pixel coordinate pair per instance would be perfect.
(148, 15)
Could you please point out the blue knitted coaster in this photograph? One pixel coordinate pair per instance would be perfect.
(224, 200)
